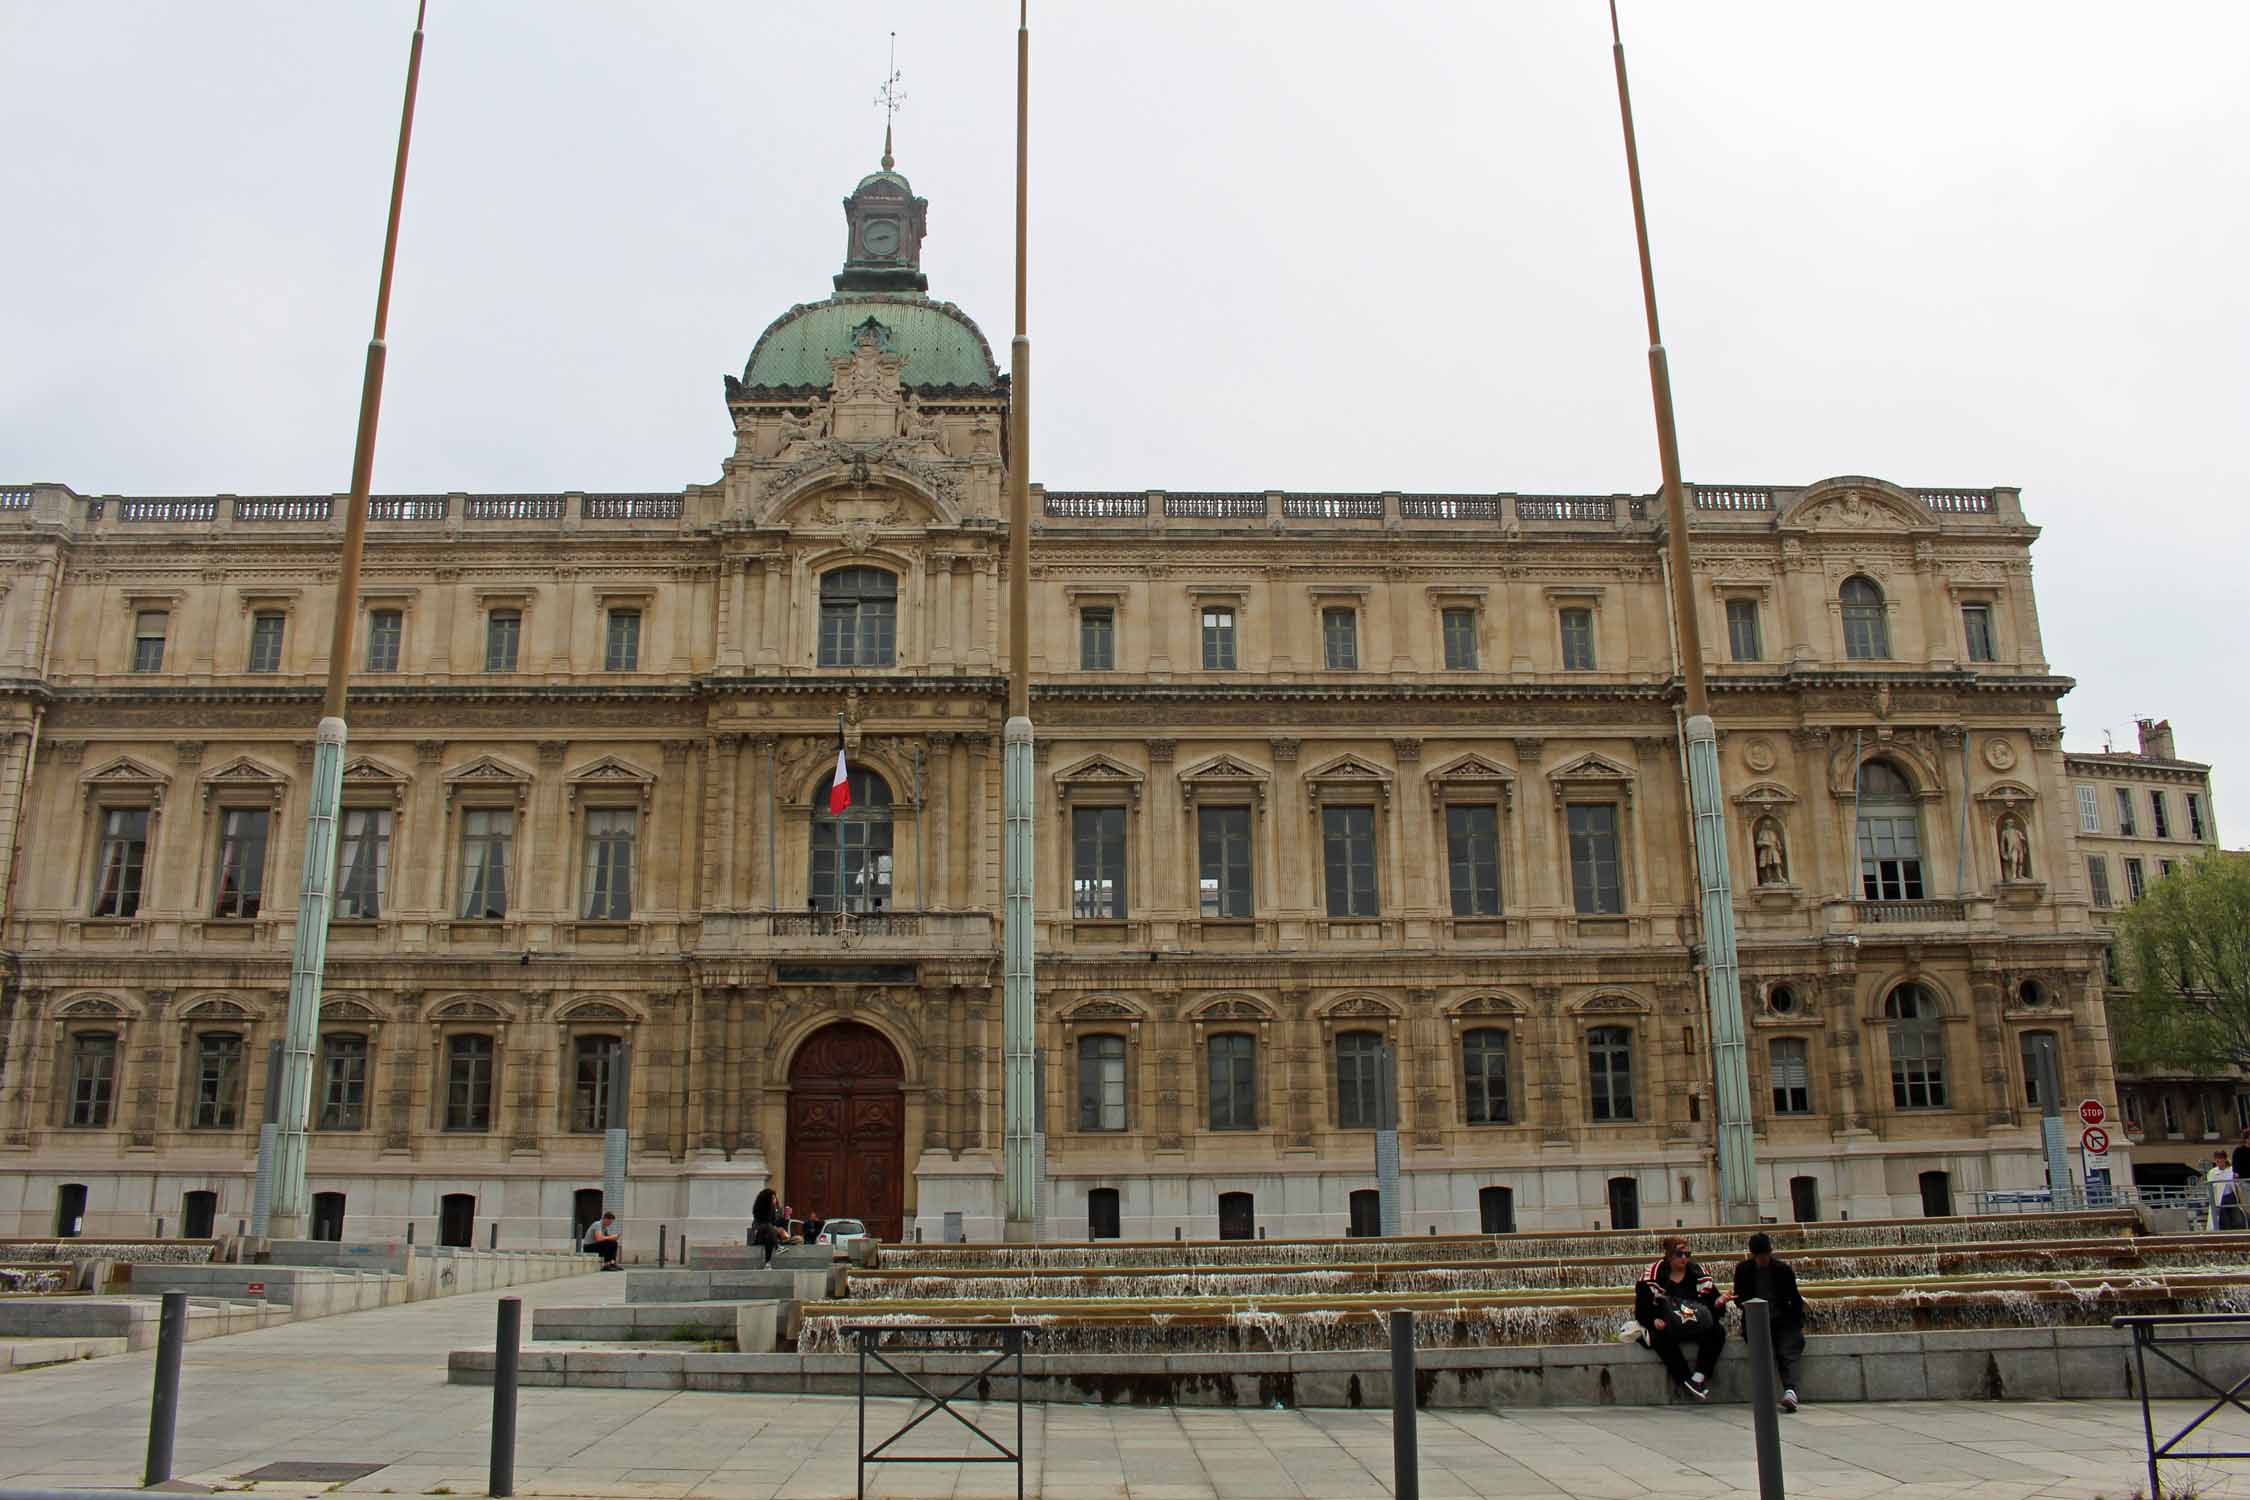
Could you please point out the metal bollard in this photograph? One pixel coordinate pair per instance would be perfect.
(164, 1401)
(410, 1231)
(492, 1241)
(1406, 1466)
(160, 1229)
(505, 1350)
(1765, 1420)
(750, 1235)
(660, 1232)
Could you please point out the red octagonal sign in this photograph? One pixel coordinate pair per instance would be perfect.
(2091, 1112)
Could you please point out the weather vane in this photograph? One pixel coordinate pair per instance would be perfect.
(890, 96)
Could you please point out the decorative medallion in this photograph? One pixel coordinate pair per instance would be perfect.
(1999, 754)
(1758, 754)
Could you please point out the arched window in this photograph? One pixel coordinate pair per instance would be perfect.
(858, 618)
(1917, 1048)
(1361, 1076)
(1867, 633)
(1484, 1075)
(1890, 835)
(1496, 1210)
(851, 850)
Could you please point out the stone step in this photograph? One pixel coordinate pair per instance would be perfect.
(726, 1257)
(753, 1326)
(24, 1354)
(807, 1285)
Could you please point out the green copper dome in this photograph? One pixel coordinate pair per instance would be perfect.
(942, 347)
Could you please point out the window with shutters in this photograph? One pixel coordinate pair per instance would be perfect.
(621, 649)
(1867, 631)
(2097, 880)
(240, 882)
(1609, 1073)
(858, 618)
(2126, 824)
(1234, 1081)
(1097, 863)
(343, 1081)
(1097, 640)
(386, 628)
(1218, 640)
(2195, 816)
(1361, 1061)
(1348, 848)
(1596, 884)
(1101, 1083)
(150, 627)
(1484, 1075)
(611, 836)
(1577, 639)
(1792, 1076)
(1223, 861)
(1339, 636)
(1917, 1039)
(2089, 810)
(2160, 815)
(2136, 882)
(266, 627)
(1742, 630)
(1460, 628)
(120, 861)
(1472, 856)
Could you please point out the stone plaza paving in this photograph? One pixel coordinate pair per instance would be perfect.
(370, 1387)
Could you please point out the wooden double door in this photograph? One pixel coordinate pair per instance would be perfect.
(847, 1129)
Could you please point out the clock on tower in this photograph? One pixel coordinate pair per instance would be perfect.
(885, 224)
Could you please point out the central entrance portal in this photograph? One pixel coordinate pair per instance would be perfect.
(847, 1129)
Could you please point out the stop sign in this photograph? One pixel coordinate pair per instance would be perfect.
(2095, 1141)
(2091, 1112)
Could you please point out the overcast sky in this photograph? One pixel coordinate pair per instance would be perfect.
(1290, 245)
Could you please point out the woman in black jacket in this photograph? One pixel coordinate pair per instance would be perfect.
(764, 1227)
(1679, 1304)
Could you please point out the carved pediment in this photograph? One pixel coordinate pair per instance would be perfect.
(1472, 769)
(366, 770)
(2007, 793)
(1855, 503)
(594, 1010)
(1591, 772)
(1765, 794)
(488, 773)
(467, 1010)
(1233, 1008)
(884, 483)
(242, 769)
(1610, 1005)
(1487, 1005)
(125, 773)
(215, 1008)
(1347, 776)
(92, 1007)
(1097, 774)
(611, 774)
(1360, 1007)
(1101, 1010)
(1223, 774)
(346, 1009)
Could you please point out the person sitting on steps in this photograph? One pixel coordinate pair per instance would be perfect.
(1679, 1304)
(603, 1239)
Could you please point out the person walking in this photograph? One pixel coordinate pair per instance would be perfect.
(2219, 1182)
(764, 1229)
(1765, 1275)
(1679, 1304)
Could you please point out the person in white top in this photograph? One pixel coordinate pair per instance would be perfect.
(2219, 1182)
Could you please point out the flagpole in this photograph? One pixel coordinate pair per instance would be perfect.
(290, 1204)
(1019, 1014)
(1730, 1069)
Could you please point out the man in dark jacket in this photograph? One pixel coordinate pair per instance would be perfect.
(1768, 1276)
(2241, 1161)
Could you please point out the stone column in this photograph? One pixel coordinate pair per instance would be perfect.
(1412, 857)
(1544, 890)
(728, 881)
(421, 844)
(395, 1097)
(775, 598)
(734, 1064)
(1988, 997)
(1175, 1094)
(1301, 1058)
(22, 1066)
(734, 621)
(542, 835)
(936, 1029)
(150, 1043)
(1426, 1050)
(748, 1081)
(1165, 817)
(1556, 1119)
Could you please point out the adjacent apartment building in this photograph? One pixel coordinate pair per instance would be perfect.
(1346, 802)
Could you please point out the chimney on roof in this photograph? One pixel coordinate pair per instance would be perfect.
(2156, 738)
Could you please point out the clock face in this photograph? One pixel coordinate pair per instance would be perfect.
(879, 237)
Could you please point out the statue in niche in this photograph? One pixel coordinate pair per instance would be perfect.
(1773, 858)
(2015, 850)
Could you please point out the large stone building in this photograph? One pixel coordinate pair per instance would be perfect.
(1328, 783)
(2141, 815)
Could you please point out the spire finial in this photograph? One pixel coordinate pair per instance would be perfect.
(890, 96)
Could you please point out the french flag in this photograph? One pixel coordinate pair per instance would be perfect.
(840, 790)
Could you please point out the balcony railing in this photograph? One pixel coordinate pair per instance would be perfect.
(1332, 507)
(409, 507)
(1566, 508)
(1957, 502)
(629, 507)
(513, 508)
(284, 508)
(1882, 913)
(1215, 506)
(1450, 508)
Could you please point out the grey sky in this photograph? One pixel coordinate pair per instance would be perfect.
(1295, 245)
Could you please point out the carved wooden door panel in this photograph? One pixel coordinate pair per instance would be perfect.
(847, 1129)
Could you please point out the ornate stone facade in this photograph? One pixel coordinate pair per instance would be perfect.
(1328, 784)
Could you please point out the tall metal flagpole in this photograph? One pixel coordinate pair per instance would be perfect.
(1738, 1187)
(291, 1206)
(1019, 1082)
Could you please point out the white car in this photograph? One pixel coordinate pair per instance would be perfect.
(839, 1234)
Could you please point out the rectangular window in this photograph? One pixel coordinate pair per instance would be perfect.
(503, 633)
(218, 1081)
(1578, 640)
(1742, 630)
(2241, 1115)
(1976, 628)
(2210, 1109)
(610, 836)
(241, 879)
(1223, 861)
(1339, 638)
(1460, 640)
(1472, 856)
(2035, 1049)
(468, 1083)
(265, 640)
(1484, 1076)
(621, 652)
(118, 867)
(1792, 1076)
(1609, 1072)
(1101, 1083)
(2125, 823)
(385, 629)
(2171, 1115)
(2195, 816)
(149, 628)
(594, 1057)
(1890, 857)
(2164, 868)
(858, 618)
(2160, 815)
(2135, 882)
(1348, 839)
(1234, 1082)
(2097, 880)
(343, 1082)
(363, 863)
(2089, 810)
(1097, 863)
(1360, 1060)
(93, 1079)
(1097, 640)
(1218, 640)
(487, 838)
(1595, 885)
